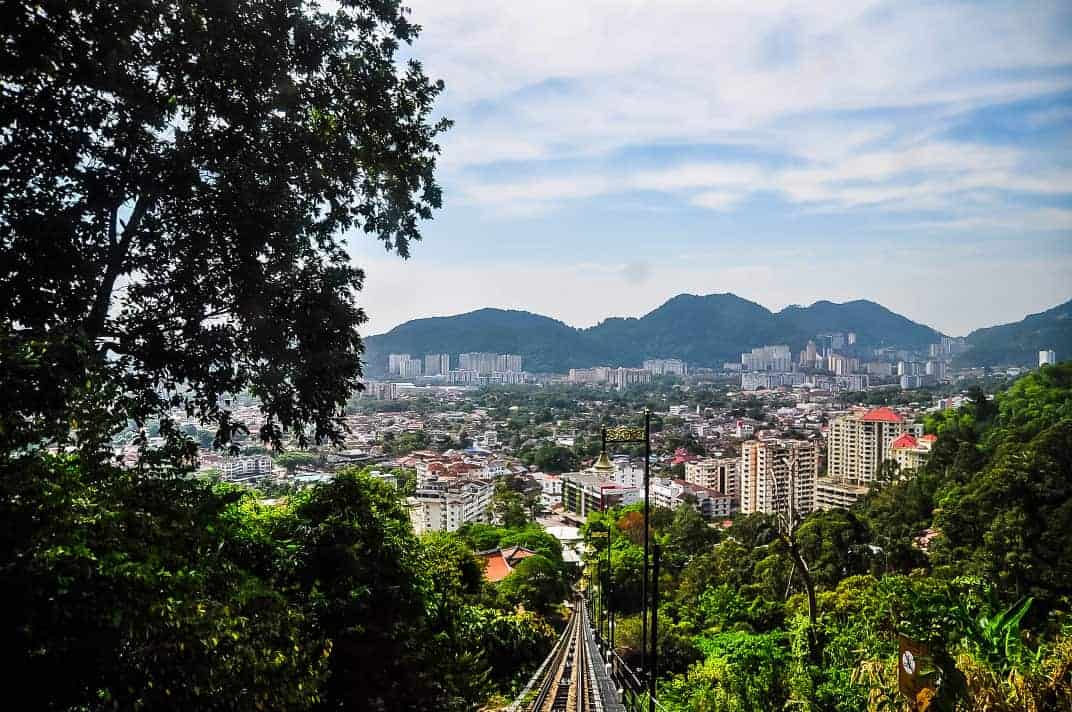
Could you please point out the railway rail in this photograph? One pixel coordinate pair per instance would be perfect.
(570, 679)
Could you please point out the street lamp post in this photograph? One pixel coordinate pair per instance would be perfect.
(626, 434)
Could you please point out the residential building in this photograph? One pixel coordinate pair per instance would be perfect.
(911, 452)
(599, 374)
(508, 362)
(858, 443)
(1047, 358)
(778, 476)
(666, 366)
(709, 503)
(584, 492)
(752, 381)
(831, 493)
(436, 364)
(447, 510)
(922, 380)
(463, 377)
(717, 473)
(410, 368)
(394, 363)
(246, 467)
(622, 378)
(768, 358)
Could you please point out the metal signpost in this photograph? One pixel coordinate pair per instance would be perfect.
(629, 434)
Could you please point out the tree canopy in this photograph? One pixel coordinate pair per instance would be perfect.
(177, 181)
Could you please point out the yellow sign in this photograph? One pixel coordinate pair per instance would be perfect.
(625, 434)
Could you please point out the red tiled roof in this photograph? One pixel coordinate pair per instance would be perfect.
(905, 440)
(499, 563)
(881, 414)
(496, 568)
(930, 438)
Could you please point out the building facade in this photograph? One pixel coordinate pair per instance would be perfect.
(858, 443)
(718, 473)
(778, 476)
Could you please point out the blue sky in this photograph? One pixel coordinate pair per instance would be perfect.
(609, 155)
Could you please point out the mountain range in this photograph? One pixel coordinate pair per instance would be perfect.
(705, 331)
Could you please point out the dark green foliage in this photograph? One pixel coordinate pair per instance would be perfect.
(536, 583)
(146, 592)
(834, 543)
(551, 458)
(177, 180)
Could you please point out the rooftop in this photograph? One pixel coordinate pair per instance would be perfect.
(881, 414)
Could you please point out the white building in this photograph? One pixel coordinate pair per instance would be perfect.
(778, 475)
(666, 366)
(394, 363)
(768, 358)
(448, 511)
(1047, 358)
(241, 467)
(410, 368)
(436, 364)
(718, 473)
(550, 489)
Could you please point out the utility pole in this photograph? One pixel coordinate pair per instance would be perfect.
(654, 631)
(647, 517)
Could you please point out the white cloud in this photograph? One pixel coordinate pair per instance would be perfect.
(562, 76)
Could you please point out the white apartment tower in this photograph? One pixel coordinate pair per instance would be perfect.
(1047, 358)
(394, 363)
(778, 475)
(858, 443)
(436, 364)
(717, 473)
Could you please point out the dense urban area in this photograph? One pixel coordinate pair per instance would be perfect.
(772, 480)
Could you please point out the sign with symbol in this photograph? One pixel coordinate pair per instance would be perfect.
(908, 662)
(910, 679)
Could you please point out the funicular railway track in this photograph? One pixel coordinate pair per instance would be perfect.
(567, 682)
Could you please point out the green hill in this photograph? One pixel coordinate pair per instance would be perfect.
(1018, 343)
(704, 330)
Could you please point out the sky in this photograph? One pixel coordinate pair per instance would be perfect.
(608, 155)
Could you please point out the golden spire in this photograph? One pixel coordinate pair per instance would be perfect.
(603, 465)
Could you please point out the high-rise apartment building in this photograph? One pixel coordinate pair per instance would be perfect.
(858, 443)
(717, 473)
(778, 476)
(487, 363)
(394, 363)
(622, 378)
(1047, 357)
(666, 366)
(768, 358)
(410, 368)
(508, 362)
(436, 364)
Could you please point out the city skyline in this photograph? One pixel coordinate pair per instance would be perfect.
(608, 156)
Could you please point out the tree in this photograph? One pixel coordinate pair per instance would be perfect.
(536, 583)
(292, 460)
(508, 506)
(177, 180)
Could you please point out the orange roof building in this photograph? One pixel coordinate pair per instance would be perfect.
(500, 563)
(858, 443)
